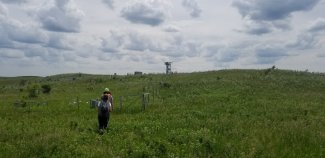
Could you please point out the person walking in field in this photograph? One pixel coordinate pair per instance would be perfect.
(105, 106)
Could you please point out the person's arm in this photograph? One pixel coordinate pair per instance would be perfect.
(97, 107)
(111, 101)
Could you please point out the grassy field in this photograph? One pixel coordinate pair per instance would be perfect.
(228, 113)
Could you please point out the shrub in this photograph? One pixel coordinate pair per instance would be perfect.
(165, 85)
(46, 89)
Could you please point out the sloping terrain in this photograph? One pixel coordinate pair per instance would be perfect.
(227, 113)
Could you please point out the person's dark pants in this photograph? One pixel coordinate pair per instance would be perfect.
(103, 120)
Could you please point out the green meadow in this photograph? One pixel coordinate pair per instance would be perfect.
(228, 113)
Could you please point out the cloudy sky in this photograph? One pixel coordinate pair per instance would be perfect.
(47, 37)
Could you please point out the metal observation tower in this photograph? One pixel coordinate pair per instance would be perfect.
(168, 67)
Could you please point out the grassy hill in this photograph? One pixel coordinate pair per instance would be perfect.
(228, 113)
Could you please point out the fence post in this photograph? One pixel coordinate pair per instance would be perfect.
(121, 102)
(78, 102)
(143, 102)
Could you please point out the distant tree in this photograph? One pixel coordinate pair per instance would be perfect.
(46, 89)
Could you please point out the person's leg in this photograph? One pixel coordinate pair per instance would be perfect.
(105, 121)
(108, 115)
(100, 122)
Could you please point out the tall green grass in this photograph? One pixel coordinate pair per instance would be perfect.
(228, 113)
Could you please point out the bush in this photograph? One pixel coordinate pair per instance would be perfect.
(46, 89)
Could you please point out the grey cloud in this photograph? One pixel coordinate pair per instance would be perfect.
(13, 1)
(145, 12)
(14, 31)
(228, 55)
(172, 46)
(222, 54)
(178, 47)
(303, 41)
(135, 58)
(152, 59)
(138, 42)
(86, 50)
(321, 55)
(269, 54)
(27, 34)
(109, 3)
(309, 38)
(11, 53)
(132, 41)
(36, 52)
(58, 41)
(211, 50)
(269, 14)
(144, 58)
(69, 56)
(192, 7)
(5, 42)
(258, 28)
(283, 24)
(260, 52)
(112, 43)
(192, 49)
(317, 26)
(30, 39)
(54, 56)
(171, 28)
(3, 10)
(63, 17)
(272, 9)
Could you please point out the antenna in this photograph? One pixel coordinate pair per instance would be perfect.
(168, 67)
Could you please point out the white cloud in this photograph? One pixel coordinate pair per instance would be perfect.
(171, 28)
(149, 12)
(60, 36)
(113, 42)
(64, 16)
(3, 10)
(192, 7)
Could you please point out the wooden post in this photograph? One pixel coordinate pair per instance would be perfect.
(153, 95)
(143, 103)
(78, 102)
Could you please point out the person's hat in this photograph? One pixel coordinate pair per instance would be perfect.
(106, 90)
